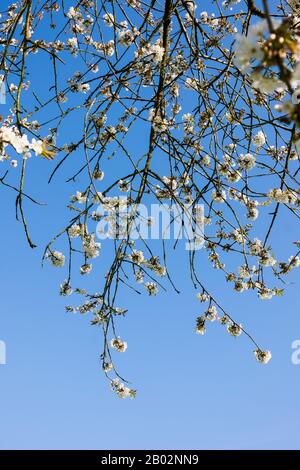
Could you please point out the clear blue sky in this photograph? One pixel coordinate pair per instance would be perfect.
(193, 392)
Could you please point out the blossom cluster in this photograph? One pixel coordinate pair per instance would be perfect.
(11, 136)
(167, 104)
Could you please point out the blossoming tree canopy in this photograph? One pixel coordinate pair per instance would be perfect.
(185, 108)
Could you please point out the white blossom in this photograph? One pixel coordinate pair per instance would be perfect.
(118, 344)
(262, 356)
(259, 139)
(56, 258)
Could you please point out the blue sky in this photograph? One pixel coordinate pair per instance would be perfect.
(193, 392)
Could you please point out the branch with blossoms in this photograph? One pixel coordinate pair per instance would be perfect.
(174, 107)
